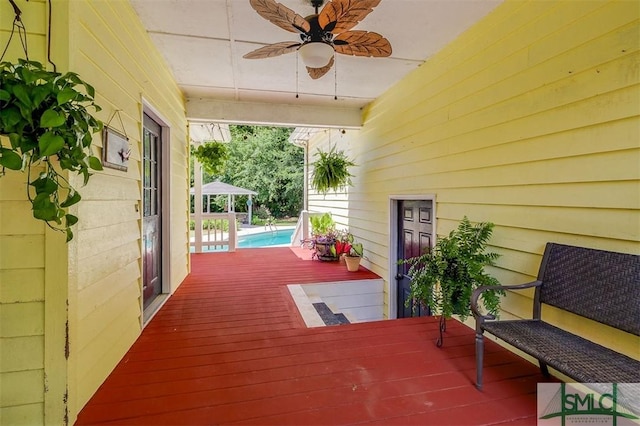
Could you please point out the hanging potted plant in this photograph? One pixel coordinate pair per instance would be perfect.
(212, 156)
(444, 277)
(331, 171)
(45, 129)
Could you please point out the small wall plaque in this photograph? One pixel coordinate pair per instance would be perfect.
(115, 150)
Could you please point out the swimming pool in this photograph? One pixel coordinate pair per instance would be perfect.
(266, 239)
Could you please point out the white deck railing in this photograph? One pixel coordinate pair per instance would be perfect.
(301, 233)
(216, 231)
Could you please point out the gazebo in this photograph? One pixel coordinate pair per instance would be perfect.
(217, 188)
(221, 188)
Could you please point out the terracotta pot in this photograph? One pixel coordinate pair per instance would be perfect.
(353, 263)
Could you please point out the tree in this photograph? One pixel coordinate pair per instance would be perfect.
(263, 159)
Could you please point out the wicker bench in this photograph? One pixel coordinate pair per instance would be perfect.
(600, 285)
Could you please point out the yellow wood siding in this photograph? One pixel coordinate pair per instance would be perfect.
(92, 284)
(529, 120)
(22, 264)
(110, 48)
(21, 308)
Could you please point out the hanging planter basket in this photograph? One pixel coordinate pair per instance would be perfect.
(46, 130)
(331, 171)
(212, 156)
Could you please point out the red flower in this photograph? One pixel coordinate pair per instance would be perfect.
(342, 247)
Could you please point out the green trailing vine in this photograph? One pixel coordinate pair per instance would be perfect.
(46, 128)
(331, 171)
(212, 156)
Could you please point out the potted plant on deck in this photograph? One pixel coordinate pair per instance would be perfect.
(324, 237)
(350, 251)
(444, 277)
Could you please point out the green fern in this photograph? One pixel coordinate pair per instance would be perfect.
(444, 278)
(331, 171)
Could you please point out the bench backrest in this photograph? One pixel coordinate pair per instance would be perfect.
(597, 284)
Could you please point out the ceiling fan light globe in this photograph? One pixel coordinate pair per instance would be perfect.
(316, 54)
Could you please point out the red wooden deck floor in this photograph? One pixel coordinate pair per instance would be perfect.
(230, 347)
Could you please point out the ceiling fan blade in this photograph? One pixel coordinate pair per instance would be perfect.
(272, 50)
(316, 73)
(362, 43)
(339, 16)
(280, 15)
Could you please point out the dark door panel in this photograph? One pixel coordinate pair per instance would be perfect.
(151, 211)
(415, 228)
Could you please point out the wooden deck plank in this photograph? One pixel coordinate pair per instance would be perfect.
(229, 347)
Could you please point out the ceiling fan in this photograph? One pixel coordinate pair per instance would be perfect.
(322, 33)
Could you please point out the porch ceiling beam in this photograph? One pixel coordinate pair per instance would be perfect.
(236, 112)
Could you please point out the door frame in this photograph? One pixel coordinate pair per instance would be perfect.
(165, 208)
(394, 200)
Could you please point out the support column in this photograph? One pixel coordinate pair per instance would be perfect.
(233, 235)
(197, 203)
(305, 201)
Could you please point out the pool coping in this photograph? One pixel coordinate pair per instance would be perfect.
(262, 230)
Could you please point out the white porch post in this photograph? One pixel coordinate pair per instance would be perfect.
(305, 225)
(305, 168)
(197, 204)
(233, 235)
(250, 209)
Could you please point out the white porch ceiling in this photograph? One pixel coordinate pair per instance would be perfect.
(203, 42)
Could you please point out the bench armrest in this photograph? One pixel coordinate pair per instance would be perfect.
(475, 296)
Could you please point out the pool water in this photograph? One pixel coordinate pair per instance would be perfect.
(279, 237)
(266, 239)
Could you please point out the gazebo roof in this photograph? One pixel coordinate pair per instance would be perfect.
(221, 188)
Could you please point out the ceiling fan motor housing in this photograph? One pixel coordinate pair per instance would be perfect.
(316, 33)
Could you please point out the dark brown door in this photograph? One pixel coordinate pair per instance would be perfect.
(152, 212)
(415, 230)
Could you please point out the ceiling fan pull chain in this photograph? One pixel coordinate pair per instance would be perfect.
(297, 68)
(335, 79)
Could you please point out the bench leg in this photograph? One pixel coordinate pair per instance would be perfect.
(544, 369)
(479, 358)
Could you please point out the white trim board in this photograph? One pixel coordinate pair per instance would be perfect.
(358, 300)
